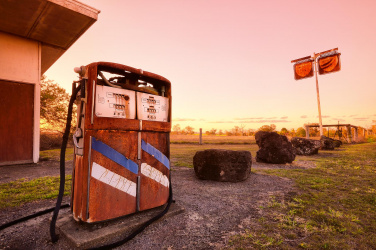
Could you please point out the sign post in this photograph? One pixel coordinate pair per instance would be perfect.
(325, 62)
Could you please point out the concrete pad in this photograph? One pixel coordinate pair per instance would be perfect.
(85, 235)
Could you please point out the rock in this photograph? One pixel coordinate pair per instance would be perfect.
(326, 143)
(274, 148)
(337, 143)
(304, 146)
(222, 165)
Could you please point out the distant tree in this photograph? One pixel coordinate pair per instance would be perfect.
(284, 131)
(237, 130)
(251, 132)
(176, 129)
(292, 132)
(268, 128)
(242, 130)
(54, 101)
(300, 132)
(188, 130)
(373, 127)
(213, 131)
(220, 132)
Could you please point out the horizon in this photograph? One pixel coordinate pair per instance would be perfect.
(230, 62)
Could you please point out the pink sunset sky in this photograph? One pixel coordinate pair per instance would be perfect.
(229, 62)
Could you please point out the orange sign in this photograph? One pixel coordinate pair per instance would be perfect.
(329, 64)
(303, 70)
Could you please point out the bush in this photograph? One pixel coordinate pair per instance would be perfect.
(371, 138)
(52, 140)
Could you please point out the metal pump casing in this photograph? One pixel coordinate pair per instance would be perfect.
(122, 142)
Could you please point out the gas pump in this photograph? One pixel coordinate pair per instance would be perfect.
(122, 147)
(122, 142)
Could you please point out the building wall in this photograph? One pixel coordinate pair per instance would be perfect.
(20, 63)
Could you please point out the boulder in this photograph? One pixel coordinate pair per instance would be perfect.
(222, 165)
(274, 148)
(304, 146)
(337, 143)
(326, 143)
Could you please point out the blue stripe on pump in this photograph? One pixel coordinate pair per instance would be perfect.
(155, 153)
(114, 155)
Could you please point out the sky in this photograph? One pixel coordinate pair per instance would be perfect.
(229, 61)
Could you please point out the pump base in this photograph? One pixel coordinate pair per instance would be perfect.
(83, 235)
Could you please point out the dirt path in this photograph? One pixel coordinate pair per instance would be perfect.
(213, 211)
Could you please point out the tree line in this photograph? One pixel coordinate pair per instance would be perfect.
(54, 108)
(240, 131)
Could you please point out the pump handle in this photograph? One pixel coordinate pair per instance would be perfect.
(76, 135)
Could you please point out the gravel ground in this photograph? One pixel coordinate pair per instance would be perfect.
(213, 210)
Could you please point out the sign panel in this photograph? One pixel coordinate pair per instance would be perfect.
(329, 64)
(303, 69)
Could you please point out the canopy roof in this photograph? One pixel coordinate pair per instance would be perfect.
(57, 24)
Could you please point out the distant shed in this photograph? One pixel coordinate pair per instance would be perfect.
(33, 35)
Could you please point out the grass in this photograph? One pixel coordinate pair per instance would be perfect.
(54, 154)
(211, 139)
(334, 208)
(333, 205)
(21, 191)
(182, 154)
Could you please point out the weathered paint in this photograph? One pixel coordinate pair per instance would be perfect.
(125, 162)
(17, 119)
(113, 179)
(20, 64)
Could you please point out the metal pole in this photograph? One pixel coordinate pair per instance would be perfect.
(318, 95)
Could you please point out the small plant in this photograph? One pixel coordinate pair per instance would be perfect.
(18, 192)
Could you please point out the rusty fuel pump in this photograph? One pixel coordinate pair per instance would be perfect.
(122, 146)
(122, 142)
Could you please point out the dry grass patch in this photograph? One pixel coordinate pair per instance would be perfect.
(334, 207)
(212, 139)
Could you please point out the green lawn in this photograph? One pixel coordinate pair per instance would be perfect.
(334, 208)
(18, 192)
(182, 154)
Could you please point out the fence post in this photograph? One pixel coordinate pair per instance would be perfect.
(200, 142)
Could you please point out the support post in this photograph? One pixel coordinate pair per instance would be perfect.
(307, 132)
(349, 136)
(355, 134)
(318, 95)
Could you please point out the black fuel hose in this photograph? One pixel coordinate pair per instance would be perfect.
(53, 235)
(62, 178)
(58, 206)
(31, 216)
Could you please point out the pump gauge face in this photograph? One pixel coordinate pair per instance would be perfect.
(115, 103)
(152, 107)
